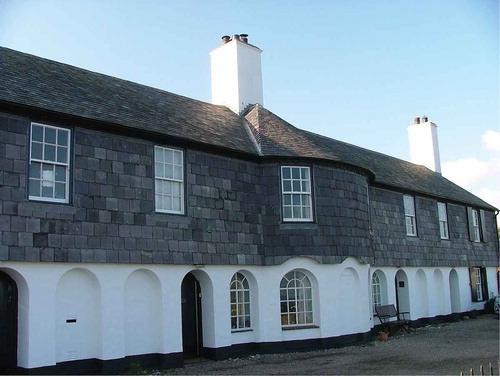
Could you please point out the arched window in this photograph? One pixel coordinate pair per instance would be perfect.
(376, 292)
(296, 299)
(240, 302)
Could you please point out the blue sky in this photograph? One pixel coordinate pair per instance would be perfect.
(357, 71)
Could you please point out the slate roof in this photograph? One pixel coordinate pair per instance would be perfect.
(48, 85)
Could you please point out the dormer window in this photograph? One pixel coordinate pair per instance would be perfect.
(296, 194)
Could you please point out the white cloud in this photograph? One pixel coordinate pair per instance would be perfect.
(466, 171)
(491, 139)
(490, 196)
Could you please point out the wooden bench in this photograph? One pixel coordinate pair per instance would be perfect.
(392, 320)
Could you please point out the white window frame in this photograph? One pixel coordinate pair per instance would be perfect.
(296, 300)
(376, 292)
(161, 179)
(479, 285)
(410, 218)
(54, 164)
(239, 289)
(443, 221)
(475, 226)
(301, 193)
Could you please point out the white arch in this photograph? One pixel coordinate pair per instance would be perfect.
(402, 292)
(207, 306)
(254, 296)
(438, 293)
(422, 293)
(454, 282)
(383, 286)
(78, 316)
(350, 302)
(142, 306)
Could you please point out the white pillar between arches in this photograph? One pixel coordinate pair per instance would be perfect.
(171, 280)
(112, 317)
(221, 308)
(41, 317)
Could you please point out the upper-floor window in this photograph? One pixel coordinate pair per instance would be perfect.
(240, 302)
(477, 225)
(443, 221)
(296, 299)
(49, 163)
(411, 222)
(169, 180)
(296, 193)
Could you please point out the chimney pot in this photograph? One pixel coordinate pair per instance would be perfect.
(226, 39)
(425, 119)
(244, 38)
(416, 120)
(236, 37)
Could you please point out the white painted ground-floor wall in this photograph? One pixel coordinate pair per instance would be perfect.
(108, 311)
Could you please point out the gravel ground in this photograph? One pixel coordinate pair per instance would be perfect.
(445, 349)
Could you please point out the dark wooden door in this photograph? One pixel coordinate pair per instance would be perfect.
(8, 324)
(396, 285)
(191, 317)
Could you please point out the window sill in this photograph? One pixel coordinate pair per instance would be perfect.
(48, 200)
(295, 225)
(241, 330)
(168, 212)
(299, 327)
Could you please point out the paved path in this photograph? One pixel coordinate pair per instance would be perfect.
(446, 349)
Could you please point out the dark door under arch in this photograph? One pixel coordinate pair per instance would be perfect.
(8, 324)
(191, 317)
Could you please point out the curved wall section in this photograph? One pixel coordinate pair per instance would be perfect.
(340, 226)
(142, 307)
(78, 316)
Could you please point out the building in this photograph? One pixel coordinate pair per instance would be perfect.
(142, 226)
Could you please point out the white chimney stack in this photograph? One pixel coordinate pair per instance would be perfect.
(236, 74)
(424, 148)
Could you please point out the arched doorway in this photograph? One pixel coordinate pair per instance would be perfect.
(402, 292)
(192, 339)
(8, 324)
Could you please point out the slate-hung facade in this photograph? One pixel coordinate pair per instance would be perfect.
(139, 225)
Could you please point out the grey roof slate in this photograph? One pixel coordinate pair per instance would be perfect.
(48, 85)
